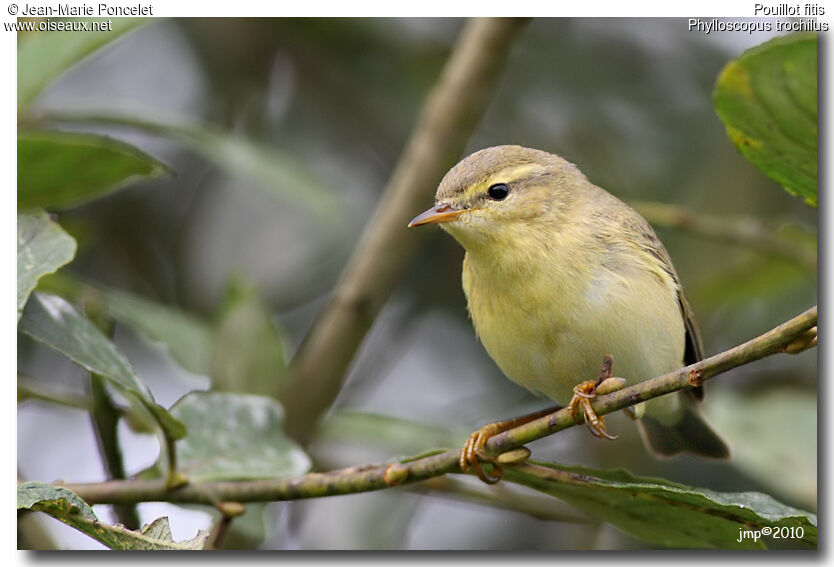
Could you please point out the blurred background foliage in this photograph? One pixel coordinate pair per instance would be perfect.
(274, 139)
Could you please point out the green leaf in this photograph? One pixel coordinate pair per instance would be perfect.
(51, 499)
(278, 172)
(64, 505)
(665, 513)
(54, 322)
(42, 248)
(44, 56)
(235, 437)
(406, 436)
(248, 351)
(183, 335)
(186, 337)
(63, 169)
(773, 436)
(767, 99)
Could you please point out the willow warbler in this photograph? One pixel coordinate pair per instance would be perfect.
(558, 273)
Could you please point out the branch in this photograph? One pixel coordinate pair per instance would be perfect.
(105, 416)
(449, 116)
(774, 341)
(376, 477)
(748, 231)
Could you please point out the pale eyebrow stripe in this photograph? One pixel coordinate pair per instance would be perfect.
(519, 172)
(508, 175)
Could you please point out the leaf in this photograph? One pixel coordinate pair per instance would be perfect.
(54, 322)
(248, 350)
(279, 172)
(235, 437)
(344, 426)
(183, 335)
(44, 56)
(773, 435)
(665, 513)
(64, 169)
(51, 499)
(42, 248)
(186, 337)
(64, 505)
(767, 99)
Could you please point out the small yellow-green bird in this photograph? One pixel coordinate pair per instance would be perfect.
(559, 273)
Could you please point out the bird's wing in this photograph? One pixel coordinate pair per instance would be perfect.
(694, 350)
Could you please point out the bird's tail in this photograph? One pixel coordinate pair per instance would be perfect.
(683, 429)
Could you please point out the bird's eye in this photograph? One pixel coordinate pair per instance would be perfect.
(498, 192)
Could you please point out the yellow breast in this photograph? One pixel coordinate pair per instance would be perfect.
(548, 322)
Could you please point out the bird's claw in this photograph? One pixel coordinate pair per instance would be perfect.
(471, 454)
(583, 393)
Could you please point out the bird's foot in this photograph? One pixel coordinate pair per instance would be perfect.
(585, 391)
(472, 453)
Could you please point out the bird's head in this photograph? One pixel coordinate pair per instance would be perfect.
(503, 194)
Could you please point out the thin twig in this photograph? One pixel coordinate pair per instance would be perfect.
(105, 416)
(218, 533)
(105, 419)
(744, 230)
(376, 477)
(449, 116)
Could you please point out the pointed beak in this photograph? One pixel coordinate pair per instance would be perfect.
(438, 213)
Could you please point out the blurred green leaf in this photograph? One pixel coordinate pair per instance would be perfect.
(42, 248)
(64, 505)
(773, 438)
(403, 435)
(666, 513)
(767, 99)
(278, 172)
(62, 169)
(235, 437)
(183, 335)
(51, 320)
(43, 56)
(248, 353)
(186, 337)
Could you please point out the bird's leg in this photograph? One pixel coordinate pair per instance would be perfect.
(472, 452)
(585, 391)
(582, 395)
